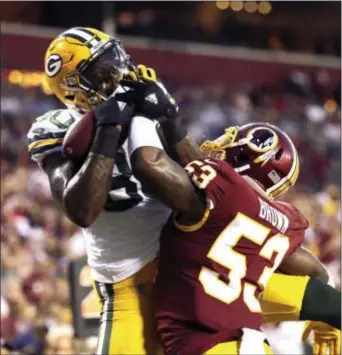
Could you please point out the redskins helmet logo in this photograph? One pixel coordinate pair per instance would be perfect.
(53, 65)
(262, 139)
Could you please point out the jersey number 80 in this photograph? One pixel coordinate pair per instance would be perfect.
(123, 181)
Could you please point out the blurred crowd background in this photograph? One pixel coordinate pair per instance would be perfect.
(37, 241)
(274, 25)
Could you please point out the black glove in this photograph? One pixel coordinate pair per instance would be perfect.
(112, 113)
(150, 99)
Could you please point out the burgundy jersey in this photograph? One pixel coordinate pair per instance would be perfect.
(210, 276)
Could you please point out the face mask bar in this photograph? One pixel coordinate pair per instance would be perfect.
(120, 65)
(217, 148)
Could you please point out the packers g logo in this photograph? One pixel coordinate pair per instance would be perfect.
(262, 139)
(53, 65)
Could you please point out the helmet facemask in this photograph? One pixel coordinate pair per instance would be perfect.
(228, 147)
(97, 78)
(217, 148)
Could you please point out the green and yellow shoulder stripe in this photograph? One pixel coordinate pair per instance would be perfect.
(47, 133)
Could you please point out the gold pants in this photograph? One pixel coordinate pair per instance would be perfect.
(127, 324)
(282, 298)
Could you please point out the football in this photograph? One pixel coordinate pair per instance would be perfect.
(78, 139)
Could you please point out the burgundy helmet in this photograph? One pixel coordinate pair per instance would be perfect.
(261, 151)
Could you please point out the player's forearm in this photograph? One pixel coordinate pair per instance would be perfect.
(303, 263)
(166, 180)
(87, 191)
(186, 151)
(182, 149)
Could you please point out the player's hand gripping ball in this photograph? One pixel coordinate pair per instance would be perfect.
(326, 339)
(109, 113)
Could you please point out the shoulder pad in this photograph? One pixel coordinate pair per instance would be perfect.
(47, 132)
(298, 220)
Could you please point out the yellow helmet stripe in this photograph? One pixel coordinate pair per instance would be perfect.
(44, 142)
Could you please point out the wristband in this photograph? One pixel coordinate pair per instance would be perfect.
(106, 141)
(174, 130)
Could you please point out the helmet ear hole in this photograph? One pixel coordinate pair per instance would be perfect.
(279, 154)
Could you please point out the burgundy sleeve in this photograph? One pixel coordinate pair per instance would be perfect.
(297, 227)
(216, 177)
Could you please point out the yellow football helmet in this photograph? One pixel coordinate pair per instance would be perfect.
(83, 66)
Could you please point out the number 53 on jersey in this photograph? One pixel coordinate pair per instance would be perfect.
(222, 253)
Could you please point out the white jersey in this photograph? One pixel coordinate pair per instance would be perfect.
(125, 236)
